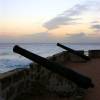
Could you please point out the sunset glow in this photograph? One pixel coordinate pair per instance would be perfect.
(57, 18)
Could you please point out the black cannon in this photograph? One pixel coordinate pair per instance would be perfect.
(74, 52)
(80, 80)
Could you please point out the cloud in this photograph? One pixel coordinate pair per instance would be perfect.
(96, 26)
(72, 38)
(72, 15)
(76, 38)
(32, 38)
(81, 38)
(95, 22)
(76, 10)
(61, 20)
(66, 17)
(48, 38)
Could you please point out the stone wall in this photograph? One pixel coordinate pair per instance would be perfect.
(13, 83)
(37, 80)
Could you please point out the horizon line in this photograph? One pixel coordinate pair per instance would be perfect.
(50, 43)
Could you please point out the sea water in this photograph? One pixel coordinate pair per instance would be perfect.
(10, 60)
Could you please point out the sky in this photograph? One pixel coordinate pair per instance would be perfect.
(49, 21)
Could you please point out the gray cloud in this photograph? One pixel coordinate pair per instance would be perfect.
(48, 38)
(71, 16)
(66, 17)
(81, 38)
(61, 20)
(76, 10)
(72, 38)
(96, 26)
(32, 38)
(77, 38)
(68, 38)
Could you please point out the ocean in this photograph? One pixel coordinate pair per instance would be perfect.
(10, 61)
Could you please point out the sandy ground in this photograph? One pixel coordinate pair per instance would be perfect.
(92, 70)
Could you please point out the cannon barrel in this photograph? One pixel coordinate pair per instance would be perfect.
(80, 80)
(74, 52)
